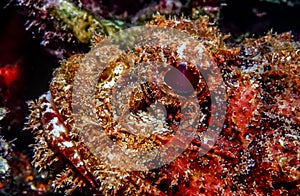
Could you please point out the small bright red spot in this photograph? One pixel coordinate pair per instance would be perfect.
(9, 73)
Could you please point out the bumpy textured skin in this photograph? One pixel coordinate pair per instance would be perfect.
(257, 151)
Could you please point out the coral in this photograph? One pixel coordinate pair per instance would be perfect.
(257, 151)
(62, 27)
(17, 175)
(4, 152)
